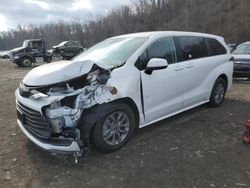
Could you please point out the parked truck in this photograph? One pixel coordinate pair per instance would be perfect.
(32, 51)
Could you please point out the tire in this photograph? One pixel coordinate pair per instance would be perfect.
(117, 113)
(48, 60)
(26, 62)
(80, 51)
(218, 93)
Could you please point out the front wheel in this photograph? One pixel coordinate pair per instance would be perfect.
(113, 130)
(26, 62)
(62, 52)
(218, 93)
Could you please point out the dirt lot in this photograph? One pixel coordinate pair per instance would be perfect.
(199, 148)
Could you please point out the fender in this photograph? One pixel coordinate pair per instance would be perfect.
(27, 55)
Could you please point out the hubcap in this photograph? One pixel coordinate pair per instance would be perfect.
(26, 62)
(116, 128)
(219, 93)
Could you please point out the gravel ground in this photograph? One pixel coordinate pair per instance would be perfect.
(199, 148)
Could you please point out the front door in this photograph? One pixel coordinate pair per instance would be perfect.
(37, 51)
(163, 90)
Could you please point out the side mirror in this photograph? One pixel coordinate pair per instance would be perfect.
(156, 64)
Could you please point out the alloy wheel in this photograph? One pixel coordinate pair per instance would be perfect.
(116, 128)
(219, 93)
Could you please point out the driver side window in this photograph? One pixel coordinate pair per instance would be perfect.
(36, 45)
(163, 48)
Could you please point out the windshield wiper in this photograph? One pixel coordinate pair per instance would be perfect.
(117, 66)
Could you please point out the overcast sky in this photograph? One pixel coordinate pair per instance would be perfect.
(23, 12)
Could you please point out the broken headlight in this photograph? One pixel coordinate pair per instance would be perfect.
(93, 76)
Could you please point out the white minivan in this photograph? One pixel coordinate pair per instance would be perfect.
(123, 83)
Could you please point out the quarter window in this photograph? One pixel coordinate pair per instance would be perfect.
(163, 48)
(216, 48)
(192, 47)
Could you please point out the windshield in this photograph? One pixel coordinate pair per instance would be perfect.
(26, 43)
(62, 43)
(113, 51)
(243, 49)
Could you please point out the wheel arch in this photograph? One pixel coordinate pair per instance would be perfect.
(212, 99)
(133, 106)
(225, 78)
(92, 114)
(28, 56)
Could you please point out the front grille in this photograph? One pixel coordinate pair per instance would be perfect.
(33, 121)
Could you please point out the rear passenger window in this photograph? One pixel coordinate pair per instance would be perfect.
(192, 47)
(163, 48)
(69, 44)
(216, 48)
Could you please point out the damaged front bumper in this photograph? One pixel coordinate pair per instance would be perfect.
(70, 148)
(38, 129)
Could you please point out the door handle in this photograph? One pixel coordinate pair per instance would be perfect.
(178, 68)
(190, 66)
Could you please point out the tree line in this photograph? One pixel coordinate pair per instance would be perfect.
(228, 18)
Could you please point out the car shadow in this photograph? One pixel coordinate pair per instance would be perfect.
(152, 146)
(140, 133)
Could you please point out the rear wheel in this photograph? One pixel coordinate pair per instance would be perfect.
(48, 60)
(80, 51)
(113, 130)
(218, 93)
(26, 62)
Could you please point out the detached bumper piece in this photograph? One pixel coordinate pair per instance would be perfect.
(37, 129)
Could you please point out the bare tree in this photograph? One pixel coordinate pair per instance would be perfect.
(228, 18)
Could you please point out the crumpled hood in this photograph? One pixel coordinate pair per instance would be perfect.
(238, 57)
(59, 72)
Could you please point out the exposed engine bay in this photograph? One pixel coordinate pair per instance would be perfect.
(70, 98)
